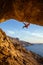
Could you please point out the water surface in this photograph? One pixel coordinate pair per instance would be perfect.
(37, 48)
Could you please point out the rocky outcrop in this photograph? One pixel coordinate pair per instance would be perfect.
(11, 54)
(30, 11)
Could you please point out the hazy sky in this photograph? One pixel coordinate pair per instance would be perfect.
(33, 34)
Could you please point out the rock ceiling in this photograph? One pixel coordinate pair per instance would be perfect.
(30, 11)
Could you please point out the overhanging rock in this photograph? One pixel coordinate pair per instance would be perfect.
(22, 10)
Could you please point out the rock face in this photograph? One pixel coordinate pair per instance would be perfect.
(30, 11)
(11, 54)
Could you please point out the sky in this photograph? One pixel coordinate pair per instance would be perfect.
(14, 28)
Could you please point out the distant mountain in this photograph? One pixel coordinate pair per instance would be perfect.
(13, 54)
(20, 42)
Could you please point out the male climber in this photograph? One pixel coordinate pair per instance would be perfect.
(26, 25)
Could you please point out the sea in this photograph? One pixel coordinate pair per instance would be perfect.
(37, 48)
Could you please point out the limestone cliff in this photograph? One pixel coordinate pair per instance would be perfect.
(30, 11)
(12, 55)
